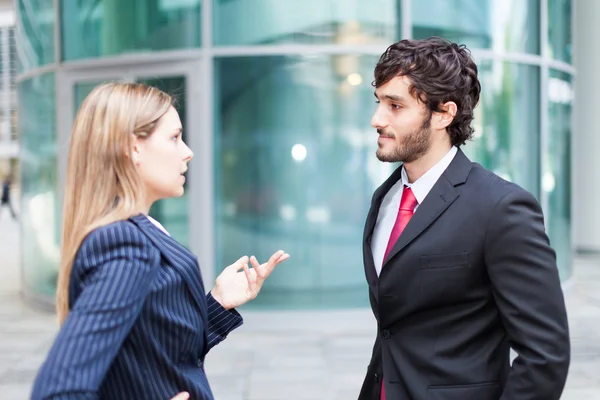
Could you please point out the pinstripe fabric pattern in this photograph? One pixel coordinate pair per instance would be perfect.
(140, 324)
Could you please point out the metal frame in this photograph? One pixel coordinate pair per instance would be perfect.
(544, 77)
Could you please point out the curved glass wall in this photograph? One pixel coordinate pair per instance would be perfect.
(35, 33)
(507, 123)
(296, 170)
(498, 25)
(111, 27)
(556, 179)
(287, 122)
(306, 22)
(560, 30)
(40, 211)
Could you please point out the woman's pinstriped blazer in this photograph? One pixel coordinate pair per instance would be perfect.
(140, 324)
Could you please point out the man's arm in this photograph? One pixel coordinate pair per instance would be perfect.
(522, 269)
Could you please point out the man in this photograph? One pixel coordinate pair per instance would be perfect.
(458, 262)
(5, 201)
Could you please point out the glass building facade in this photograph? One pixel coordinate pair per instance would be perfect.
(276, 100)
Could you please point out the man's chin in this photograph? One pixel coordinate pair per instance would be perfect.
(387, 157)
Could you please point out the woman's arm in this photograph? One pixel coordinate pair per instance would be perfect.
(119, 265)
(220, 321)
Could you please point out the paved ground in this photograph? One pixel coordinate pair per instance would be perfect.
(292, 356)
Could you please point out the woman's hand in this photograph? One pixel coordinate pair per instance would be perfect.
(182, 396)
(234, 288)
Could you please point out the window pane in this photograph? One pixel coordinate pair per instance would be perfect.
(35, 33)
(247, 22)
(40, 211)
(111, 27)
(296, 168)
(80, 91)
(559, 30)
(507, 127)
(173, 213)
(501, 25)
(556, 179)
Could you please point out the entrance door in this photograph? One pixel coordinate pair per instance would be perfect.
(179, 80)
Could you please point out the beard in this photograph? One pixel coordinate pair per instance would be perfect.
(414, 144)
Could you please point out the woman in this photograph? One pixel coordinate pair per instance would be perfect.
(136, 323)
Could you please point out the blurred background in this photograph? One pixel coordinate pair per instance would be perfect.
(276, 100)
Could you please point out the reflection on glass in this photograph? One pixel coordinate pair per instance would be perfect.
(35, 33)
(111, 27)
(40, 213)
(559, 30)
(507, 127)
(248, 22)
(80, 92)
(557, 169)
(500, 25)
(173, 213)
(296, 168)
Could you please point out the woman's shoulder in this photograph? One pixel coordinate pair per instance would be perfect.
(120, 238)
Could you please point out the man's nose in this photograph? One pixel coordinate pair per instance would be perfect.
(378, 121)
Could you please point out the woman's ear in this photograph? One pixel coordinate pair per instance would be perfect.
(135, 150)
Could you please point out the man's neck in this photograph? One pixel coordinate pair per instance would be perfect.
(419, 167)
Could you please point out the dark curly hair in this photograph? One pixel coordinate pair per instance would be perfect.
(439, 71)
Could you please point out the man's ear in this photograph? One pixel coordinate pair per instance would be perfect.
(442, 119)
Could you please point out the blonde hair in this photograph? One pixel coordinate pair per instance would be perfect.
(102, 184)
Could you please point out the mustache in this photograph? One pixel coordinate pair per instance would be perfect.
(381, 132)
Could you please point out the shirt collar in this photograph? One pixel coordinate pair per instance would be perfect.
(423, 185)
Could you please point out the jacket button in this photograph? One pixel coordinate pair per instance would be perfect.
(386, 334)
(200, 364)
(376, 377)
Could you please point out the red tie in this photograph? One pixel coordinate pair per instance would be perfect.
(405, 212)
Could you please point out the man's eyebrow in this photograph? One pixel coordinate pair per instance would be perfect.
(391, 97)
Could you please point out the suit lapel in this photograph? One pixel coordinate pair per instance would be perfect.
(378, 196)
(179, 257)
(435, 203)
(441, 196)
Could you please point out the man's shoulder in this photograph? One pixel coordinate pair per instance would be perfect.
(487, 184)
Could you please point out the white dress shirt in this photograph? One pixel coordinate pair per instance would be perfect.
(159, 225)
(391, 203)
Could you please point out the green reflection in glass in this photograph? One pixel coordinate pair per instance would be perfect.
(507, 126)
(40, 212)
(296, 168)
(559, 30)
(35, 33)
(556, 177)
(173, 213)
(111, 27)
(248, 22)
(80, 92)
(501, 25)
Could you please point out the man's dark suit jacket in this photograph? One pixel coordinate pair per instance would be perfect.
(471, 276)
(140, 324)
